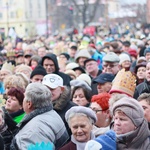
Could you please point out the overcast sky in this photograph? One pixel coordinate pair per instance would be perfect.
(133, 1)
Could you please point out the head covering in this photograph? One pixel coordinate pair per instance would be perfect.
(82, 53)
(78, 82)
(124, 82)
(90, 59)
(85, 78)
(141, 59)
(81, 109)
(147, 50)
(131, 108)
(103, 78)
(79, 68)
(124, 57)
(111, 57)
(71, 65)
(38, 70)
(132, 52)
(108, 140)
(53, 81)
(143, 64)
(66, 55)
(102, 100)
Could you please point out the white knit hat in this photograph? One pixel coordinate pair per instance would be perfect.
(123, 57)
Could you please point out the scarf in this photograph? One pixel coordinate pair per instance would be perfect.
(33, 114)
(80, 145)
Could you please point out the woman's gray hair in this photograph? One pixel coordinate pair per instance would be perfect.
(79, 114)
(38, 94)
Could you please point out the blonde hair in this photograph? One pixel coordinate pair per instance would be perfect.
(14, 81)
(24, 69)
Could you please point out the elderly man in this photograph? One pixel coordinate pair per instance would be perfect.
(41, 123)
(111, 63)
(104, 82)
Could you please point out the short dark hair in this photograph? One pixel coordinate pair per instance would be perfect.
(18, 93)
(74, 47)
(87, 93)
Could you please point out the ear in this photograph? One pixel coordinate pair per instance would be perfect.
(29, 105)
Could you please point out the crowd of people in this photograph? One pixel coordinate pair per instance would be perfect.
(79, 93)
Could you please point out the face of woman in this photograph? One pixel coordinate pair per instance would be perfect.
(141, 72)
(79, 98)
(122, 123)
(101, 115)
(126, 64)
(12, 104)
(81, 128)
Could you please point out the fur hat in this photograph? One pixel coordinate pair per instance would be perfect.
(131, 108)
(38, 70)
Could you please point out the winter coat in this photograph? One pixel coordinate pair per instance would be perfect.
(10, 126)
(66, 78)
(62, 105)
(69, 146)
(144, 87)
(41, 125)
(138, 139)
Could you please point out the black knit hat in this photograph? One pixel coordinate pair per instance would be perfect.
(39, 70)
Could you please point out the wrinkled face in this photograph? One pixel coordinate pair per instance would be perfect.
(81, 61)
(122, 123)
(101, 115)
(49, 65)
(12, 104)
(141, 72)
(146, 108)
(56, 93)
(91, 66)
(110, 67)
(37, 78)
(148, 71)
(81, 128)
(79, 98)
(126, 64)
(105, 87)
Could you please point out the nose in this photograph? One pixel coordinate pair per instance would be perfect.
(79, 130)
(117, 122)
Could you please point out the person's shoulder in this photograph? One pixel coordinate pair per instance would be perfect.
(69, 146)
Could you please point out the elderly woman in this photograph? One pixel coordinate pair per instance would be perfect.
(100, 105)
(80, 120)
(130, 126)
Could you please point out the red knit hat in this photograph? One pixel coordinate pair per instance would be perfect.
(133, 52)
(102, 99)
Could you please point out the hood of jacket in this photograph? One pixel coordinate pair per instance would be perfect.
(53, 57)
(62, 101)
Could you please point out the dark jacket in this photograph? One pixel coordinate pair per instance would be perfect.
(69, 146)
(10, 127)
(144, 87)
(62, 104)
(66, 78)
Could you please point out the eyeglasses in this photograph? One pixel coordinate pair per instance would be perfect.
(110, 65)
(96, 111)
